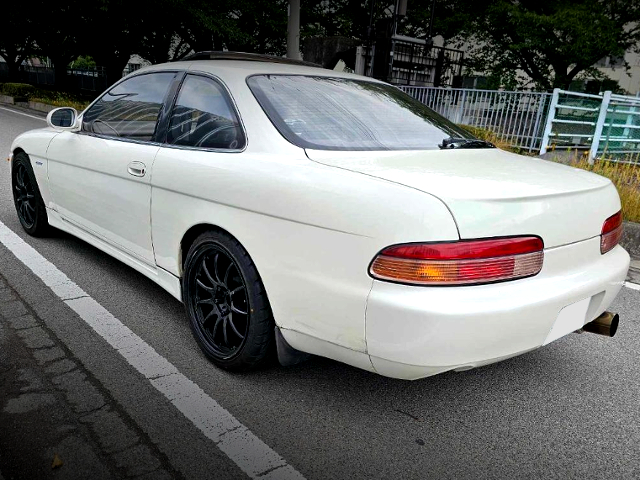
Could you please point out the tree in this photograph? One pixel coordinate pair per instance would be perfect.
(552, 42)
(114, 32)
(57, 33)
(16, 40)
(260, 27)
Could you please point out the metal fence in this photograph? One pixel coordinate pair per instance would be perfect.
(606, 125)
(88, 79)
(517, 118)
(94, 79)
(37, 75)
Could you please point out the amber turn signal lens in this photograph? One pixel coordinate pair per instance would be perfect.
(460, 263)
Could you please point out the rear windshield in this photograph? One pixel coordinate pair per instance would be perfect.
(343, 114)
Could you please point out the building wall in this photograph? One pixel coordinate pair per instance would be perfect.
(630, 81)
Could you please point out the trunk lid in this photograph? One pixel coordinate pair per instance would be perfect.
(493, 193)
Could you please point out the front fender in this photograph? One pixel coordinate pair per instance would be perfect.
(35, 144)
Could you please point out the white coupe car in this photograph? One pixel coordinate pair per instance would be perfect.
(327, 213)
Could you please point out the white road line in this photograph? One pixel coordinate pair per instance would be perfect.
(22, 113)
(632, 286)
(245, 449)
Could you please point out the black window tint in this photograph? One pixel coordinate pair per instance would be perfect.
(131, 108)
(203, 117)
(344, 114)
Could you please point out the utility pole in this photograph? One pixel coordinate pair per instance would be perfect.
(293, 30)
(400, 10)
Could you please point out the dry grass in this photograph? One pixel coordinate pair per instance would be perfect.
(489, 136)
(625, 176)
(61, 101)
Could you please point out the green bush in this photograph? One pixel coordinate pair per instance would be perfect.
(17, 90)
(23, 91)
(59, 99)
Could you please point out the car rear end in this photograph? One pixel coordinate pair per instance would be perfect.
(537, 259)
(537, 254)
(417, 331)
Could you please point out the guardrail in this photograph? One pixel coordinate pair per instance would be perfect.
(517, 118)
(606, 125)
(601, 125)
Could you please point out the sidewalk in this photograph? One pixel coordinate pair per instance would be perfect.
(634, 272)
(51, 407)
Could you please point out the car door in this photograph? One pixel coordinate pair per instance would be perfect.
(203, 139)
(99, 177)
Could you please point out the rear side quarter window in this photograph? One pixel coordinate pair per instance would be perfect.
(204, 117)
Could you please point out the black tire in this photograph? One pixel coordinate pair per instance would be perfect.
(226, 303)
(26, 197)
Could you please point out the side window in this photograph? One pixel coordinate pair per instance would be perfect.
(203, 117)
(131, 108)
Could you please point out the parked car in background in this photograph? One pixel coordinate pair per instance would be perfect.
(325, 213)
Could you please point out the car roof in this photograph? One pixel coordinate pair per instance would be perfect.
(231, 67)
(254, 57)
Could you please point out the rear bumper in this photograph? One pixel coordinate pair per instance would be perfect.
(414, 332)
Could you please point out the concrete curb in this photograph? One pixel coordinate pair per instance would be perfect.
(631, 239)
(41, 107)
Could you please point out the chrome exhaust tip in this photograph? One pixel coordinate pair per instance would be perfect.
(606, 324)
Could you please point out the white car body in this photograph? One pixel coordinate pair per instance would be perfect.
(313, 220)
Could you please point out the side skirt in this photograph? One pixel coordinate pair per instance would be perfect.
(166, 280)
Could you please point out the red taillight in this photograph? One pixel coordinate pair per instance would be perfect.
(460, 263)
(611, 232)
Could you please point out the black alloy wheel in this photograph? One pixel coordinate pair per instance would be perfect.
(226, 303)
(221, 302)
(26, 197)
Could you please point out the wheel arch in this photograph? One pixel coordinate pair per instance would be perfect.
(190, 236)
(18, 150)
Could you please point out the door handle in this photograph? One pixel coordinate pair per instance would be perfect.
(137, 169)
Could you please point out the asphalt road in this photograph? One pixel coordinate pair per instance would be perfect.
(569, 410)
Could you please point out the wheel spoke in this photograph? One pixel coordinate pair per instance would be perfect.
(215, 327)
(20, 177)
(233, 327)
(209, 316)
(208, 289)
(224, 331)
(236, 290)
(28, 204)
(28, 214)
(208, 301)
(215, 267)
(236, 310)
(206, 272)
(226, 273)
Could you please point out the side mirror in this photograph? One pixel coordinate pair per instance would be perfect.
(64, 118)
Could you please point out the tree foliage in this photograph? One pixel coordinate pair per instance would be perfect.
(16, 39)
(552, 42)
